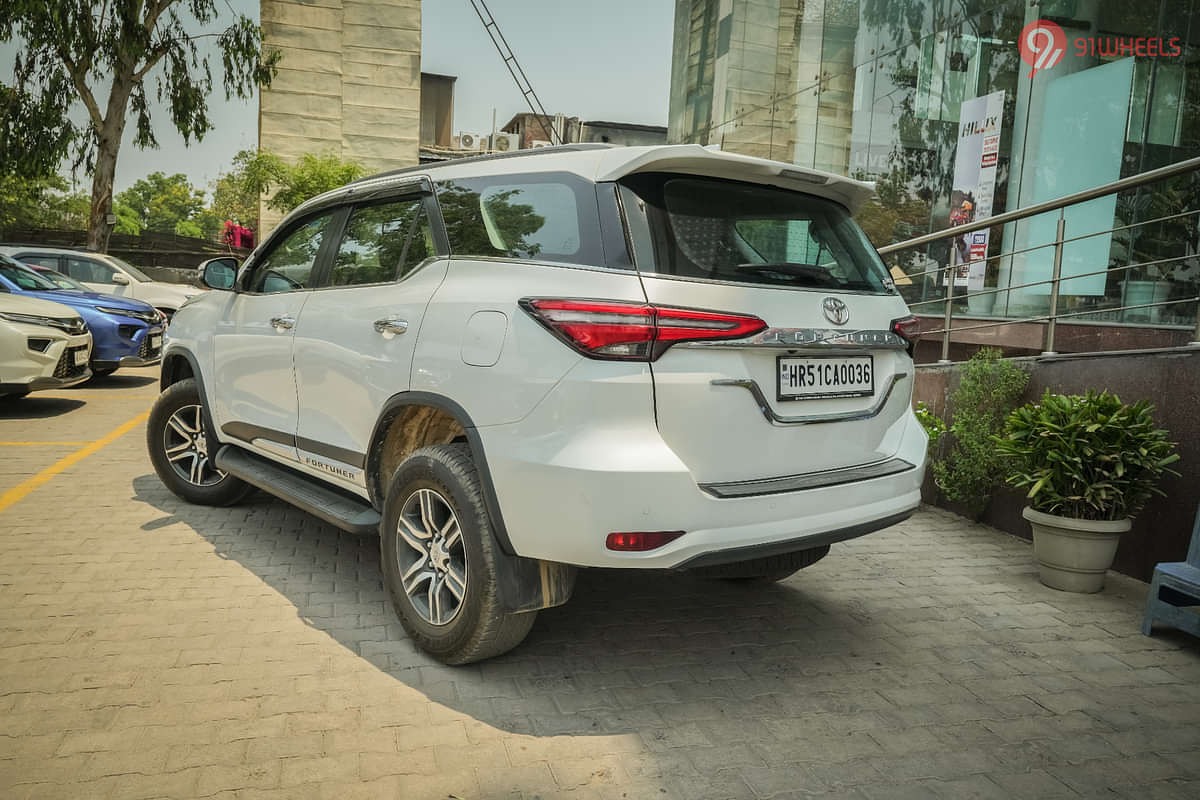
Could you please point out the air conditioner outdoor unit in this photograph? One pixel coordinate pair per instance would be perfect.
(539, 143)
(503, 142)
(470, 141)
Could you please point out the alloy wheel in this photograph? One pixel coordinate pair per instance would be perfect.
(431, 557)
(186, 446)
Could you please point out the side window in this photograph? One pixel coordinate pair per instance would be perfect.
(288, 266)
(545, 217)
(84, 269)
(382, 243)
(41, 261)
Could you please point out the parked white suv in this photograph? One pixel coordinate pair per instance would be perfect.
(106, 274)
(43, 345)
(513, 366)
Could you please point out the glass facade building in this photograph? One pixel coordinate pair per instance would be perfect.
(876, 89)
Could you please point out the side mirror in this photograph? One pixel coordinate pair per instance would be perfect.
(219, 273)
(120, 279)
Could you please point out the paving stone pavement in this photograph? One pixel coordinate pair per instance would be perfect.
(149, 648)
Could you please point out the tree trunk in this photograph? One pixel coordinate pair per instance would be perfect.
(102, 186)
(108, 145)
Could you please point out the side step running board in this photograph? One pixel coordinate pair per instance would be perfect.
(338, 509)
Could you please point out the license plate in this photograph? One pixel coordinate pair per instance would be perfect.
(155, 342)
(816, 377)
(81, 357)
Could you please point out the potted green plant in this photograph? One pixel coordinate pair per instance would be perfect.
(1090, 463)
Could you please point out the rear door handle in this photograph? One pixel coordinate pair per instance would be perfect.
(392, 325)
(283, 323)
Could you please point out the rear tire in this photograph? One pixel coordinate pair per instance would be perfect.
(439, 558)
(765, 570)
(181, 449)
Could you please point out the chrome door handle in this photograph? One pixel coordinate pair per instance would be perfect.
(283, 323)
(391, 325)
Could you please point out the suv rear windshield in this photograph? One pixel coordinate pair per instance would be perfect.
(722, 230)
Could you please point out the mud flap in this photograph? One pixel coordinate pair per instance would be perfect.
(527, 584)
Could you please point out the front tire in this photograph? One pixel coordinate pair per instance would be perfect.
(182, 448)
(439, 559)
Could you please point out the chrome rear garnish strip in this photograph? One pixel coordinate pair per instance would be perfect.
(810, 480)
(812, 338)
(810, 419)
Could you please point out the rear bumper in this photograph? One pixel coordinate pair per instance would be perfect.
(562, 490)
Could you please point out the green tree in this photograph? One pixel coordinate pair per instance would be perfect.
(289, 185)
(162, 201)
(113, 58)
(40, 202)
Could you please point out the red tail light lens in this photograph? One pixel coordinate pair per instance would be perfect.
(909, 329)
(638, 542)
(620, 330)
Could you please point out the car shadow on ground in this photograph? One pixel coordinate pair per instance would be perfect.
(598, 665)
(119, 380)
(34, 407)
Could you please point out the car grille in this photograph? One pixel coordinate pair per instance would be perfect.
(146, 351)
(66, 364)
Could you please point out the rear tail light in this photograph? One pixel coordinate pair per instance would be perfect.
(638, 542)
(909, 329)
(620, 330)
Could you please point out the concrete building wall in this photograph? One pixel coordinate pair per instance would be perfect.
(349, 83)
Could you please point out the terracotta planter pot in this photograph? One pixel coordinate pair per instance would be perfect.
(1074, 554)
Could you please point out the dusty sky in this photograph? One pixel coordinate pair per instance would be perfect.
(606, 60)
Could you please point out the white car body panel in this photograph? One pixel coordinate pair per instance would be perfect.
(346, 370)
(531, 361)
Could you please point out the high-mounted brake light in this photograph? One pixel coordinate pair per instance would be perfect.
(640, 541)
(909, 329)
(621, 330)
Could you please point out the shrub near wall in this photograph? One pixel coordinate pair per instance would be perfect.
(1170, 378)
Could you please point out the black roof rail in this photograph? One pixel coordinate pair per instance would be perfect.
(532, 151)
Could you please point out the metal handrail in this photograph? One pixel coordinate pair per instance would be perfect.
(1132, 182)
(1068, 240)
(1060, 239)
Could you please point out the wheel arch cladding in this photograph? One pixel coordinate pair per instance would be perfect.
(525, 584)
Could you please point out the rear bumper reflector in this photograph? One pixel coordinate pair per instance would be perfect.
(809, 480)
(640, 541)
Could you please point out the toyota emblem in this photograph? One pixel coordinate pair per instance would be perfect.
(835, 311)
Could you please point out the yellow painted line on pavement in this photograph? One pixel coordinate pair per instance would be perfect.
(25, 487)
(36, 444)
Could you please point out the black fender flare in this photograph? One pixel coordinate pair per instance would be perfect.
(391, 409)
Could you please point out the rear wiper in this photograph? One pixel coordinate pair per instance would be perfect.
(818, 275)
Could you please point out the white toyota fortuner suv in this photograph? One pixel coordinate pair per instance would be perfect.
(586, 356)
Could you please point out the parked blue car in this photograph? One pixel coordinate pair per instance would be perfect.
(125, 332)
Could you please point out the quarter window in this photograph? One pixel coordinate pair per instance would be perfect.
(288, 267)
(542, 217)
(382, 243)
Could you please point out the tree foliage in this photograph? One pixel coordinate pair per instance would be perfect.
(113, 58)
(163, 202)
(288, 185)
